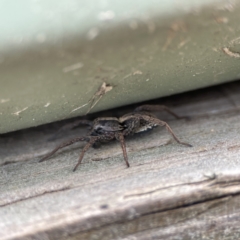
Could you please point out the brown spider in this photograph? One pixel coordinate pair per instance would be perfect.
(111, 128)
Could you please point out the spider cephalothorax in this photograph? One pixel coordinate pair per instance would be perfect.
(105, 126)
(108, 129)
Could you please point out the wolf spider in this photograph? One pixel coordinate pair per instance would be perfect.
(111, 128)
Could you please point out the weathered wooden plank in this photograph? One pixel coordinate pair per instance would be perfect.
(170, 190)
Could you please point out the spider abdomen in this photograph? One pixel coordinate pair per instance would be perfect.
(145, 127)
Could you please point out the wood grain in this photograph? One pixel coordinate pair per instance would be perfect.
(169, 192)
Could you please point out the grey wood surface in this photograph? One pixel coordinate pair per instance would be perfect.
(169, 192)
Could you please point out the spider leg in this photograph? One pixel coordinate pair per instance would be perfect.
(65, 144)
(70, 126)
(156, 108)
(87, 146)
(163, 124)
(120, 138)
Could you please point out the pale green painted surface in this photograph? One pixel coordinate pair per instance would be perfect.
(144, 49)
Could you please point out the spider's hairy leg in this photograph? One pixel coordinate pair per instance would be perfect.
(163, 124)
(70, 126)
(65, 144)
(120, 138)
(87, 146)
(152, 108)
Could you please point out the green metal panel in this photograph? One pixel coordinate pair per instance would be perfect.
(54, 55)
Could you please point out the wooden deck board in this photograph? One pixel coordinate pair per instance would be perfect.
(169, 190)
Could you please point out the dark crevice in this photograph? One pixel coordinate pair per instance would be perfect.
(221, 199)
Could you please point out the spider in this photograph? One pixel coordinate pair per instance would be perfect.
(111, 128)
